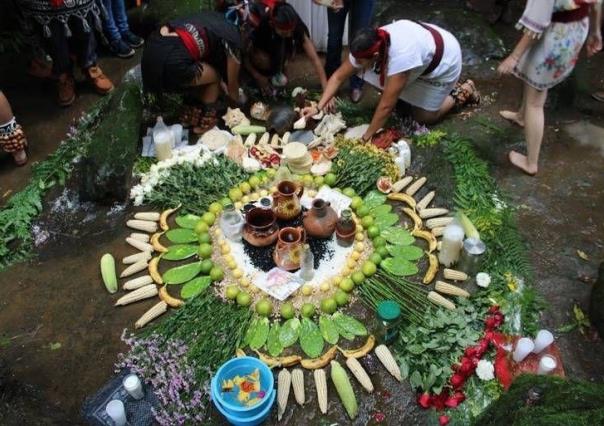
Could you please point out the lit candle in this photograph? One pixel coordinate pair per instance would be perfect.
(133, 386)
(451, 246)
(115, 409)
(547, 364)
(523, 348)
(543, 340)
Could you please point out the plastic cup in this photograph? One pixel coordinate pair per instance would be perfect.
(115, 409)
(177, 133)
(547, 364)
(133, 386)
(543, 340)
(524, 347)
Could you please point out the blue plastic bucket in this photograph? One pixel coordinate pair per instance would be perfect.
(243, 419)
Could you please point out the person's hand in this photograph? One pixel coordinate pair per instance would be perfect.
(334, 4)
(265, 86)
(330, 107)
(308, 112)
(507, 66)
(594, 43)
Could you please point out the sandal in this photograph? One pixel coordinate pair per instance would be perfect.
(13, 141)
(465, 94)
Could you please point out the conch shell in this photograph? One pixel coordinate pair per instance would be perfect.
(260, 111)
(234, 117)
(235, 150)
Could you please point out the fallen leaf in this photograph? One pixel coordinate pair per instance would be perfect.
(54, 346)
(582, 255)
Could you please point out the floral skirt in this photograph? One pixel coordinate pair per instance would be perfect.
(553, 57)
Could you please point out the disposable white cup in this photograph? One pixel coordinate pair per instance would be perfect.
(547, 364)
(133, 386)
(177, 132)
(543, 340)
(523, 348)
(115, 409)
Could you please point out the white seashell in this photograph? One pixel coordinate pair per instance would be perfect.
(300, 124)
(321, 168)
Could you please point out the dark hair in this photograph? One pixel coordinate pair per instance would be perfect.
(363, 39)
(284, 14)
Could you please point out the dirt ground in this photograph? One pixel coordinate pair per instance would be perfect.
(59, 337)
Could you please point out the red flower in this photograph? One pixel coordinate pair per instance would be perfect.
(379, 417)
(493, 309)
(438, 401)
(489, 335)
(424, 400)
(483, 346)
(490, 323)
(443, 420)
(457, 380)
(454, 400)
(467, 366)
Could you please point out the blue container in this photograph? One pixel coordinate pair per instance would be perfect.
(240, 367)
(243, 419)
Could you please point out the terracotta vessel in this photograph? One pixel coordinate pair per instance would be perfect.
(286, 200)
(260, 228)
(345, 229)
(288, 251)
(320, 221)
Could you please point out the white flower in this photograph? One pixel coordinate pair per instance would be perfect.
(483, 279)
(485, 370)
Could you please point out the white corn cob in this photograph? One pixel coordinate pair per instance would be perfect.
(142, 225)
(134, 268)
(275, 141)
(298, 385)
(386, 358)
(439, 245)
(434, 212)
(151, 314)
(264, 139)
(133, 258)
(141, 237)
(283, 384)
(142, 293)
(399, 185)
(452, 274)
(139, 245)
(359, 372)
(285, 138)
(438, 222)
(436, 298)
(450, 289)
(423, 203)
(321, 384)
(250, 140)
(152, 216)
(437, 232)
(139, 282)
(415, 186)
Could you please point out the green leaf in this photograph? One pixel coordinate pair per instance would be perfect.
(311, 340)
(398, 236)
(399, 267)
(288, 334)
(188, 221)
(405, 252)
(195, 287)
(182, 274)
(416, 349)
(386, 220)
(260, 334)
(415, 380)
(374, 199)
(273, 344)
(381, 210)
(349, 324)
(329, 330)
(181, 236)
(179, 252)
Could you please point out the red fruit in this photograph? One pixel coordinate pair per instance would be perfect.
(454, 400)
(443, 420)
(457, 381)
(424, 400)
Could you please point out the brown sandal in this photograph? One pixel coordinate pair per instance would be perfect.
(13, 141)
(465, 96)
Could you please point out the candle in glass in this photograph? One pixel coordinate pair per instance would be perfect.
(451, 244)
(543, 340)
(523, 348)
(547, 364)
(133, 386)
(115, 409)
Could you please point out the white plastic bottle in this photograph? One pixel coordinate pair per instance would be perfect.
(163, 140)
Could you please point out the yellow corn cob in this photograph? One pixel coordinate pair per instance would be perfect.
(423, 203)
(141, 237)
(426, 235)
(415, 186)
(138, 282)
(436, 298)
(452, 274)
(152, 216)
(386, 358)
(139, 245)
(399, 185)
(432, 269)
(342, 384)
(321, 384)
(438, 222)
(417, 222)
(359, 372)
(434, 212)
(298, 385)
(410, 201)
(283, 385)
(142, 225)
(450, 289)
(151, 314)
(438, 231)
(134, 268)
(142, 293)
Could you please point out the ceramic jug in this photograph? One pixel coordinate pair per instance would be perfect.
(286, 200)
(260, 228)
(320, 221)
(288, 251)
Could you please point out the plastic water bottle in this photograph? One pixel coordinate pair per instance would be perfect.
(163, 140)
(307, 269)
(404, 151)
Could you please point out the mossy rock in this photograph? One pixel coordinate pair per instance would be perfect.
(547, 401)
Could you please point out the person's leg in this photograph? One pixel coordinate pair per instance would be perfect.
(109, 23)
(111, 27)
(336, 21)
(62, 68)
(12, 138)
(206, 87)
(516, 117)
(361, 12)
(465, 93)
(121, 21)
(533, 131)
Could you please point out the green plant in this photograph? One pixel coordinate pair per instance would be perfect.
(429, 139)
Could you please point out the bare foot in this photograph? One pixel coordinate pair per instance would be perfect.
(521, 162)
(598, 96)
(513, 117)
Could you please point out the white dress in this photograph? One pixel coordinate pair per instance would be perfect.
(315, 18)
(411, 49)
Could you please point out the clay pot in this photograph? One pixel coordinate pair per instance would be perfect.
(288, 251)
(260, 228)
(286, 200)
(320, 221)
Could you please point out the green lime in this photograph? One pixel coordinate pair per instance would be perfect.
(349, 192)
(330, 179)
(264, 307)
(329, 305)
(209, 218)
(358, 277)
(243, 298)
(204, 238)
(341, 297)
(375, 258)
(356, 202)
(373, 231)
(255, 181)
(245, 187)
(369, 268)
(216, 273)
(379, 242)
(201, 227)
(271, 172)
(232, 292)
(206, 266)
(215, 208)
(382, 251)
(287, 310)
(308, 181)
(235, 194)
(347, 285)
(205, 251)
(319, 181)
(307, 310)
(226, 201)
(363, 211)
(367, 221)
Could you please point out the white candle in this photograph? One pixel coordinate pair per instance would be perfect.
(451, 244)
(543, 340)
(133, 386)
(115, 409)
(547, 364)
(523, 348)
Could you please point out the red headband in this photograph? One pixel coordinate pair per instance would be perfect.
(283, 26)
(380, 46)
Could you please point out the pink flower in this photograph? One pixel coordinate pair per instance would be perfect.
(443, 420)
